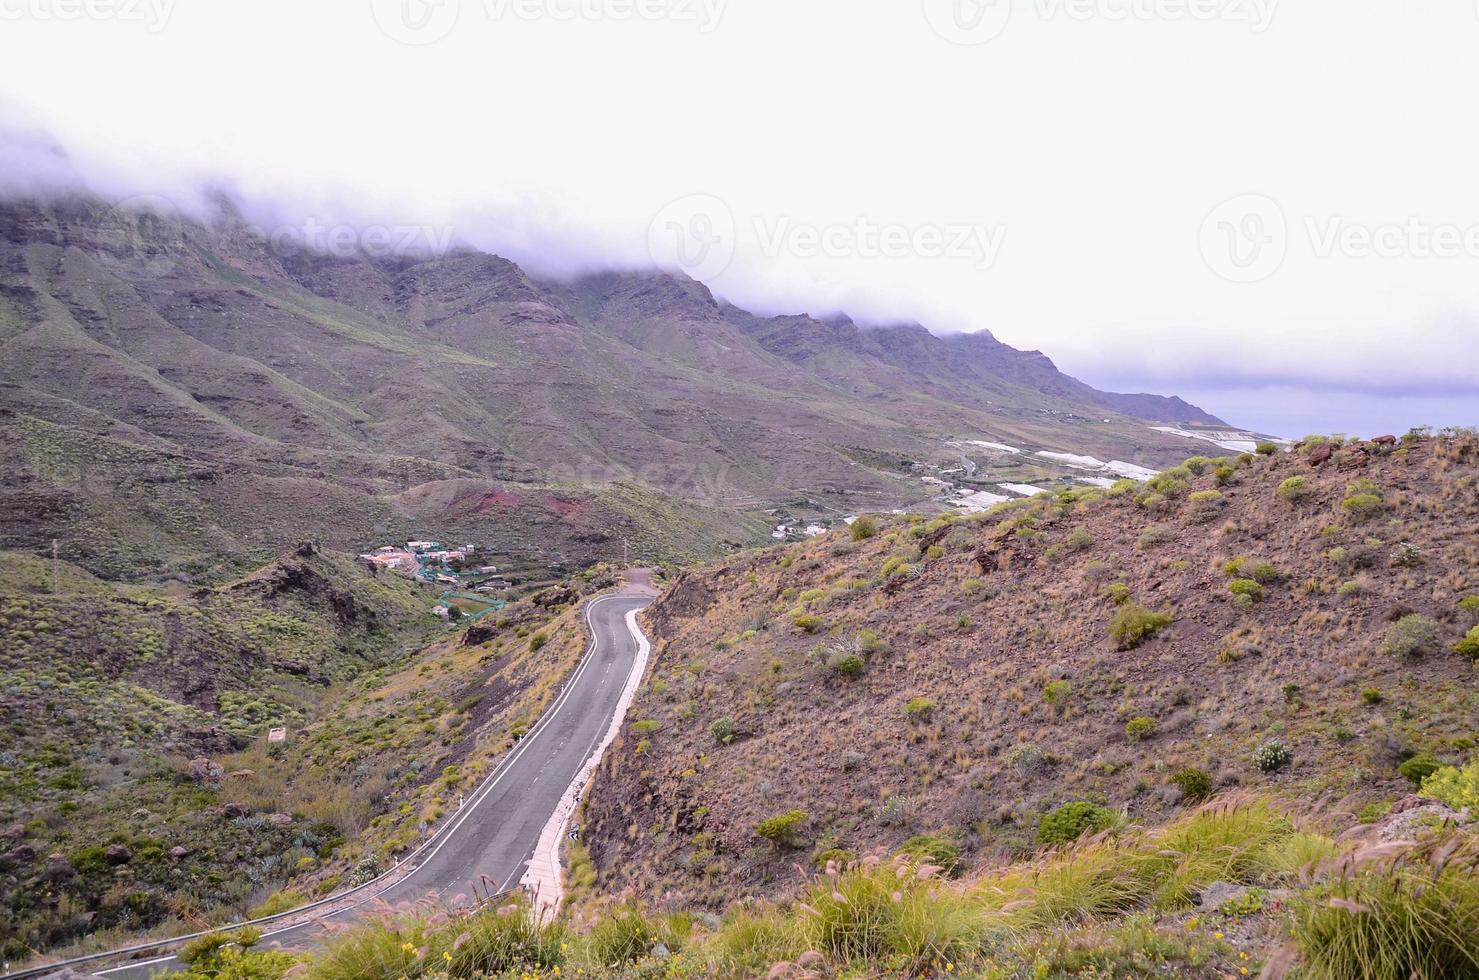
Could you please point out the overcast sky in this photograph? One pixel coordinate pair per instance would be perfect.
(1269, 207)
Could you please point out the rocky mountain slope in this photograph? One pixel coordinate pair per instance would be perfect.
(181, 392)
(1285, 622)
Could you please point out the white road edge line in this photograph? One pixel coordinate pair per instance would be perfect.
(545, 876)
(466, 811)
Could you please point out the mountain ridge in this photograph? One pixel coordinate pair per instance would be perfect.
(357, 379)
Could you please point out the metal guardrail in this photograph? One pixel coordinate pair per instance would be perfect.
(414, 859)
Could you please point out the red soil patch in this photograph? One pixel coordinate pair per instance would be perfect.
(500, 499)
(565, 508)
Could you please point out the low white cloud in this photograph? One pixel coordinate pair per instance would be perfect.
(1158, 201)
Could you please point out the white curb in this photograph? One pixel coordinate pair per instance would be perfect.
(544, 876)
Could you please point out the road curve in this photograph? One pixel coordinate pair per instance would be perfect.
(492, 837)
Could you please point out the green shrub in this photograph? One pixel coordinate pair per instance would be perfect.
(1372, 696)
(1205, 505)
(1469, 604)
(1419, 767)
(1469, 645)
(1133, 624)
(1264, 573)
(893, 565)
(864, 527)
(1294, 489)
(722, 730)
(1194, 783)
(1272, 755)
(1266, 448)
(233, 956)
(933, 849)
(1156, 534)
(1411, 636)
(1079, 540)
(1116, 592)
(1459, 788)
(1372, 812)
(845, 664)
(1251, 902)
(538, 640)
(808, 623)
(1057, 692)
(1139, 729)
(1363, 506)
(838, 856)
(1071, 821)
(1246, 590)
(781, 829)
(920, 709)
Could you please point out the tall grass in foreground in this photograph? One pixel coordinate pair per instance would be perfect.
(1395, 910)
(395, 944)
(1238, 841)
(889, 913)
(1107, 906)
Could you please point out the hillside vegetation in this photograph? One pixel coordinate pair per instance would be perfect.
(1300, 624)
(137, 789)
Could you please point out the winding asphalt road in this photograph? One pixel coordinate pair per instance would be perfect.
(492, 837)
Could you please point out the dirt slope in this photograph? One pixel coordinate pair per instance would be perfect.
(960, 678)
